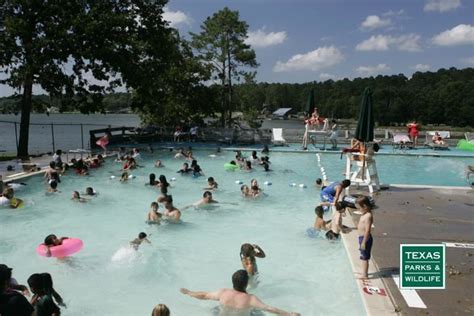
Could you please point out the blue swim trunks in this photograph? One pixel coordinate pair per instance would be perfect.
(365, 254)
(326, 198)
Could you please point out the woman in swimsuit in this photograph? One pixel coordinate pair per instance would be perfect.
(413, 132)
(248, 252)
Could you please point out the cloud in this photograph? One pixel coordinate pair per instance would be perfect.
(393, 13)
(458, 35)
(320, 58)
(372, 70)
(441, 5)
(326, 76)
(407, 42)
(176, 17)
(421, 67)
(373, 22)
(468, 60)
(261, 39)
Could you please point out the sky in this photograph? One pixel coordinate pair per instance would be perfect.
(299, 41)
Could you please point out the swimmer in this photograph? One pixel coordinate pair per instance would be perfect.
(53, 186)
(171, 212)
(153, 215)
(180, 154)
(237, 299)
(248, 252)
(245, 190)
(77, 197)
(160, 310)
(206, 199)
(211, 184)
(336, 222)
(8, 199)
(266, 167)
(51, 241)
(320, 223)
(90, 191)
(124, 177)
(163, 184)
(322, 184)
(184, 169)
(248, 165)
(255, 191)
(254, 156)
(136, 153)
(138, 241)
(152, 180)
(158, 164)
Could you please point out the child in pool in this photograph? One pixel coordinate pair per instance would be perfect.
(77, 197)
(245, 190)
(320, 223)
(248, 252)
(90, 191)
(211, 184)
(52, 241)
(53, 186)
(124, 177)
(336, 223)
(138, 241)
(153, 215)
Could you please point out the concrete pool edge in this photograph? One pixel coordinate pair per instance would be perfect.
(375, 294)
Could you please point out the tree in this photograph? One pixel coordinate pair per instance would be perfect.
(78, 50)
(222, 48)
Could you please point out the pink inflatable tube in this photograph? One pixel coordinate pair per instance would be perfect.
(67, 248)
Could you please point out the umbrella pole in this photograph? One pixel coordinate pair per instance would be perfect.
(363, 151)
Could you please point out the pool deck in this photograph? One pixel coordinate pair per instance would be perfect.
(418, 215)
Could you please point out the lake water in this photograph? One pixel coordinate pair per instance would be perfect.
(65, 136)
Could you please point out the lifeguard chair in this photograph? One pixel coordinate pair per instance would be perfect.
(361, 169)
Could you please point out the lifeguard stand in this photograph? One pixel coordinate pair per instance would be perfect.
(362, 172)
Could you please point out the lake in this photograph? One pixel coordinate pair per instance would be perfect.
(65, 136)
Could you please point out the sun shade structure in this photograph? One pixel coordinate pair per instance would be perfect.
(365, 125)
(310, 104)
(282, 112)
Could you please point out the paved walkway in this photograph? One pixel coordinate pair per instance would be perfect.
(422, 215)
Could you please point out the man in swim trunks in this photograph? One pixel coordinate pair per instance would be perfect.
(171, 212)
(237, 298)
(365, 237)
(206, 199)
(332, 192)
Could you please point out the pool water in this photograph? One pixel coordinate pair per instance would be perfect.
(307, 275)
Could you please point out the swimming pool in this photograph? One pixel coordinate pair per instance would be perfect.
(308, 275)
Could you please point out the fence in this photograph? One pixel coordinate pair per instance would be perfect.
(47, 137)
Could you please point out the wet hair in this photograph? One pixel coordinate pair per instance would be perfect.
(248, 164)
(152, 177)
(160, 310)
(254, 188)
(163, 181)
(346, 183)
(319, 181)
(53, 184)
(142, 235)
(364, 202)
(49, 240)
(246, 250)
(76, 193)
(52, 164)
(240, 280)
(89, 191)
(194, 163)
(232, 162)
(210, 179)
(340, 206)
(49, 288)
(319, 210)
(376, 147)
(266, 167)
(243, 187)
(207, 194)
(154, 204)
(35, 281)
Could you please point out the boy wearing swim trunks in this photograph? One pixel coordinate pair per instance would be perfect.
(365, 237)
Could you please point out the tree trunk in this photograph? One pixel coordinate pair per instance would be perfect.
(25, 116)
(223, 101)
(229, 74)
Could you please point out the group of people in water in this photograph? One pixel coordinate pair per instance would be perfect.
(235, 298)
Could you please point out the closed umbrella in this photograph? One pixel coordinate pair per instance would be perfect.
(310, 104)
(365, 125)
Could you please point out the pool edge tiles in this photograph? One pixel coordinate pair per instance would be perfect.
(375, 295)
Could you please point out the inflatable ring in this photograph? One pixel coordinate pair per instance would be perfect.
(68, 247)
(231, 167)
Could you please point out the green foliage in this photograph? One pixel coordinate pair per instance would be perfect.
(221, 47)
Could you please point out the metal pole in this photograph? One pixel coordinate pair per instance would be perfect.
(52, 136)
(16, 137)
(82, 136)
